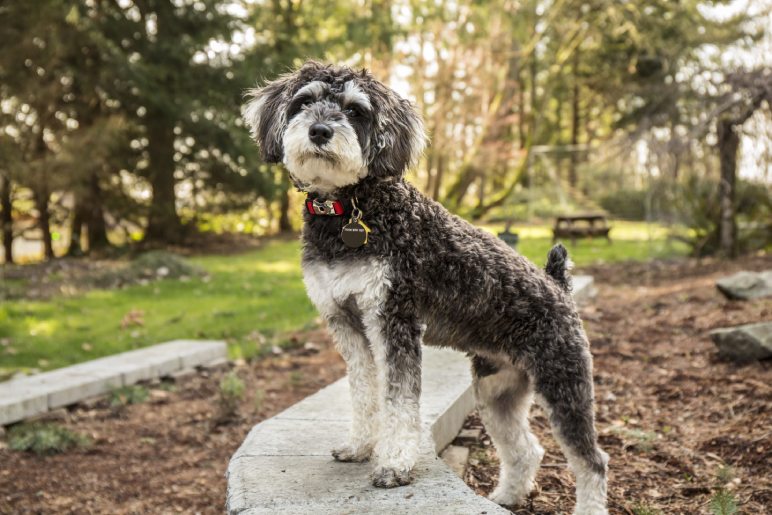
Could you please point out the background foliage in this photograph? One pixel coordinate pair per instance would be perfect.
(120, 119)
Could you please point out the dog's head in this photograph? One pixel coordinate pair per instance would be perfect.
(332, 127)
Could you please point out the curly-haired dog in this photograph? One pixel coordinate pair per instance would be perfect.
(389, 269)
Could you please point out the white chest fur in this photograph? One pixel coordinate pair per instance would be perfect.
(331, 285)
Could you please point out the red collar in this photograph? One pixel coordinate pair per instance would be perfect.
(322, 207)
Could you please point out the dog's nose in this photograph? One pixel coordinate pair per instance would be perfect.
(320, 133)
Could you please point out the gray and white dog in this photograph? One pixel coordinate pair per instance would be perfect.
(424, 275)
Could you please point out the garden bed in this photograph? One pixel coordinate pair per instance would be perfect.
(170, 451)
(682, 427)
(678, 422)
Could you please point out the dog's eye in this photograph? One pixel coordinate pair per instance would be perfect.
(352, 112)
(298, 104)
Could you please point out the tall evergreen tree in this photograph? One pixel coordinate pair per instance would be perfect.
(35, 88)
(173, 81)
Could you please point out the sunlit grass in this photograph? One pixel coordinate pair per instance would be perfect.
(247, 295)
(631, 241)
(252, 300)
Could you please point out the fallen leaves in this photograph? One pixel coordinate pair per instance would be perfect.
(134, 318)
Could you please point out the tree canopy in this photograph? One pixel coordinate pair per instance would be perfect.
(121, 118)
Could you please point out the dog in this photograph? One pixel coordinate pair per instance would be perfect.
(389, 269)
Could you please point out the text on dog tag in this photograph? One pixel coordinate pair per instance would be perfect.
(354, 234)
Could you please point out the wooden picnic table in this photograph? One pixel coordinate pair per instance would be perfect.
(586, 225)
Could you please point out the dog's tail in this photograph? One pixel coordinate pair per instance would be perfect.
(558, 265)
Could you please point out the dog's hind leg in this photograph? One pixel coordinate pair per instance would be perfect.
(353, 346)
(504, 399)
(563, 384)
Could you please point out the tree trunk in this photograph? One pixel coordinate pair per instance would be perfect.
(520, 109)
(163, 224)
(429, 176)
(481, 193)
(438, 176)
(728, 142)
(284, 206)
(76, 229)
(534, 73)
(6, 217)
(502, 197)
(466, 177)
(97, 229)
(381, 28)
(44, 221)
(575, 120)
(557, 139)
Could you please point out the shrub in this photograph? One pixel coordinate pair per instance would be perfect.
(642, 440)
(231, 394)
(45, 438)
(295, 378)
(724, 474)
(645, 509)
(126, 395)
(700, 206)
(161, 264)
(259, 398)
(150, 266)
(626, 204)
(723, 503)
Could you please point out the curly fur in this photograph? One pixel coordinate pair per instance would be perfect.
(428, 276)
(558, 266)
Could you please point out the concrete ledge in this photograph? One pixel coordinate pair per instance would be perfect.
(284, 465)
(29, 396)
(583, 288)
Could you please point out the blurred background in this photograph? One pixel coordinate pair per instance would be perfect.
(120, 119)
(645, 125)
(134, 210)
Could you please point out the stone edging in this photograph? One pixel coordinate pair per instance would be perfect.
(36, 394)
(284, 465)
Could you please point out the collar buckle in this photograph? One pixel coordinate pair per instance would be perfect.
(324, 207)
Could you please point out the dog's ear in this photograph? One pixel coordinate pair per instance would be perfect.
(265, 115)
(400, 137)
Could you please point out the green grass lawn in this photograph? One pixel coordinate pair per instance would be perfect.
(632, 241)
(252, 300)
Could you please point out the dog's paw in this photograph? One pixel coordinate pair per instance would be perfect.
(384, 477)
(508, 496)
(349, 453)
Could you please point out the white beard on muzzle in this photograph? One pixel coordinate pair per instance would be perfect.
(324, 169)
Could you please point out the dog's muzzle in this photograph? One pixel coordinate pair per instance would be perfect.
(320, 133)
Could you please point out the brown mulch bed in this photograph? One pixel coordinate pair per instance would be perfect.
(167, 455)
(678, 422)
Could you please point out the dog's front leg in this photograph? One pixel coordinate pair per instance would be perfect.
(395, 338)
(353, 346)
